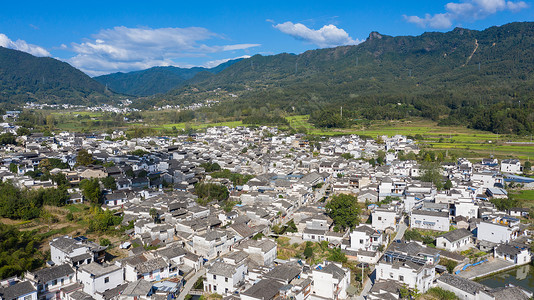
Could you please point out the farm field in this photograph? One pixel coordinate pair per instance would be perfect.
(467, 142)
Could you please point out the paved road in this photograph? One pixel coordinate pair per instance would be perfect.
(189, 284)
(366, 288)
(486, 268)
(401, 230)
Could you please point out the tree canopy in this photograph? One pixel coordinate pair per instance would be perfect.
(344, 211)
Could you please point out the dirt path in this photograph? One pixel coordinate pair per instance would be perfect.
(472, 53)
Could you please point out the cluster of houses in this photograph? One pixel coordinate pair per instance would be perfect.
(291, 179)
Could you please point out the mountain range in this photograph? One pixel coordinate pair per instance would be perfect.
(455, 77)
(490, 65)
(155, 80)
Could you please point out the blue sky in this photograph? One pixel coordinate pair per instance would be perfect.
(101, 37)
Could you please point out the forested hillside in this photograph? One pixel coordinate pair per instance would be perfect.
(24, 77)
(154, 80)
(480, 78)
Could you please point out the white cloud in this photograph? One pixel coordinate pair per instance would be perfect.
(327, 36)
(126, 49)
(21, 45)
(465, 11)
(214, 63)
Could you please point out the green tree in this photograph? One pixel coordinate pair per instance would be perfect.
(21, 131)
(308, 251)
(344, 210)
(211, 191)
(527, 166)
(347, 156)
(105, 242)
(84, 158)
(449, 264)
(431, 172)
(109, 183)
(448, 185)
(7, 138)
(44, 165)
(337, 255)
(291, 226)
(154, 214)
(13, 168)
(91, 190)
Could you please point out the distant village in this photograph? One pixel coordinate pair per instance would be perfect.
(292, 179)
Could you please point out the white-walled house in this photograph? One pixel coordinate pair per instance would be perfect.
(262, 252)
(463, 288)
(384, 218)
(432, 220)
(456, 240)
(97, 278)
(407, 272)
(144, 267)
(499, 230)
(511, 166)
(20, 291)
(466, 208)
(211, 244)
(330, 280)
(50, 281)
(516, 255)
(75, 251)
(366, 238)
(223, 278)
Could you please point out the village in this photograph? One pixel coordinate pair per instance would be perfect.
(181, 247)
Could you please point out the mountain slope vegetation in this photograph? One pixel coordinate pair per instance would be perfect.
(24, 77)
(480, 78)
(155, 80)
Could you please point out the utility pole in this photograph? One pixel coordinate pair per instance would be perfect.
(341, 112)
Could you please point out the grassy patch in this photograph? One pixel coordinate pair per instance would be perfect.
(465, 142)
(526, 197)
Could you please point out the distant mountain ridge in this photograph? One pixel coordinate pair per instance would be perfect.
(24, 77)
(155, 80)
(484, 79)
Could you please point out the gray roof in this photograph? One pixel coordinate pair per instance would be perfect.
(336, 271)
(16, 290)
(171, 252)
(108, 294)
(265, 244)
(463, 284)
(80, 295)
(507, 249)
(265, 289)
(456, 235)
(222, 269)
(138, 288)
(389, 286)
(430, 213)
(98, 269)
(365, 228)
(151, 265)
(285, 272)
(55, 272)
(509, 293)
